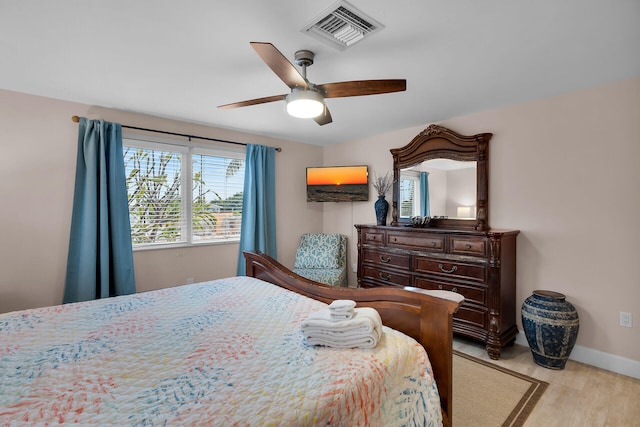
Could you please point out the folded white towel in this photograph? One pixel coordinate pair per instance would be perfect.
(365, 319)
(332, 316)
(364, 330)
(346, 341)
(336, 316)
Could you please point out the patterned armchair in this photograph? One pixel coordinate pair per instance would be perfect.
(322, 258)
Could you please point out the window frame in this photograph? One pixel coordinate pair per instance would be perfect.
(186, 149)
(414, 176)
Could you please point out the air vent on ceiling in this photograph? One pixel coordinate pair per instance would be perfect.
(342, 25)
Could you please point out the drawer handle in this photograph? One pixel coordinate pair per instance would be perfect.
(433, 244)
(444, 270)
(385, 260)
(440, 287)
(468, 245)
(383, 276)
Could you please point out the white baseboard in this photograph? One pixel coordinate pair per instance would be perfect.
(597, 358)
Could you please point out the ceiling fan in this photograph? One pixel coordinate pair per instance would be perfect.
(306, 99)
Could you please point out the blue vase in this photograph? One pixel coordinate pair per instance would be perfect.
(381, 207)
(551, 326)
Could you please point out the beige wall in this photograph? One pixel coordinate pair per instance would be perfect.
(37, 172)
(564, 171)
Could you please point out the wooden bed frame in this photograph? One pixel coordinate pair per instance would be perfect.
(426, 318)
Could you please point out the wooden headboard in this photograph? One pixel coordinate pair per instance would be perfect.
(426, 318)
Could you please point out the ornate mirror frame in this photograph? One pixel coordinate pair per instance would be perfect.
(438, 142)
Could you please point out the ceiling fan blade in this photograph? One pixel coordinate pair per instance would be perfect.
(279, 64)
(324, 118)
(361, 87)
(253, 102)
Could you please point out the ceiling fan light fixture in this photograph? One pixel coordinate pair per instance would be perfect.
(304, 104)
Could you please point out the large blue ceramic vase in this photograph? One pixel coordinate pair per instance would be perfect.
(551, 326)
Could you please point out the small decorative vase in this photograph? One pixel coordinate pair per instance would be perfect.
(382, 208)
(551, 326)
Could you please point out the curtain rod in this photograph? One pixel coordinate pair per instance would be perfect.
(77, 120)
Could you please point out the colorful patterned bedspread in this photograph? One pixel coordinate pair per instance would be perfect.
(226, 352)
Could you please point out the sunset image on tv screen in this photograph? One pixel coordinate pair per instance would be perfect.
(337, 184)
(337, 175)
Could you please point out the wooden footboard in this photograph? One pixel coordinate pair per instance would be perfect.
(426, 318)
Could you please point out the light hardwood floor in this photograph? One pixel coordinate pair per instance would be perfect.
(579, 395)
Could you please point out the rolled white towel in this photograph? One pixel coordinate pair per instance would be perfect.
(342, 305)
(342, 309)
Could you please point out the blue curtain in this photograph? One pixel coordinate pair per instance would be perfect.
(100, 261)
(424, 194)
(258, 232)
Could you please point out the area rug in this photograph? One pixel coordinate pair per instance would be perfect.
(487, 395)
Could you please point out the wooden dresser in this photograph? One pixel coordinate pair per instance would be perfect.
(480, 265)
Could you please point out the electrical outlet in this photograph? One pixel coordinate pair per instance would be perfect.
(626, 319)
(190, 280)
(354, 266)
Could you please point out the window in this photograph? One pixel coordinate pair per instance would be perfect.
(409, 194)
(182, 194)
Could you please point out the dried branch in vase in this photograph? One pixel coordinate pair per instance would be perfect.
(382, 184)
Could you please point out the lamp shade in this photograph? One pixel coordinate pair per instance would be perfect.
(304, 104)
(464, 212)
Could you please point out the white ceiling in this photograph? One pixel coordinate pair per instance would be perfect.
(181, 60)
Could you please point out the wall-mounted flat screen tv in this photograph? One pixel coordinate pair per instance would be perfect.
(338, 184)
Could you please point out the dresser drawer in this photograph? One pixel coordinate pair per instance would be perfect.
(471, 294)
(386, 258)
(453, 269)
(373, 237)
(470, 316)
(468, 246)
(368, 283)
(428, 242)
(385, 277)
(472, 313)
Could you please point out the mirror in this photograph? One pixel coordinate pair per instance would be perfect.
(438, 188)
(443, 175)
